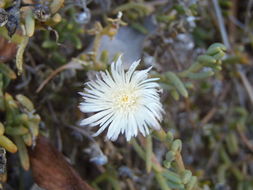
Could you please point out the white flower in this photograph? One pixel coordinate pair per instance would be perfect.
(123, 102)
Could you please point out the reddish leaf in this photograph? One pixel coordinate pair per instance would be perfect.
(51, 171)
(7, 49)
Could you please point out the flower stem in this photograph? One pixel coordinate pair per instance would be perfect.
(155, 165)
(149, 153)
(162, 182)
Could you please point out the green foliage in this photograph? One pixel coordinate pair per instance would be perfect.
(20, 123)
(212, 60)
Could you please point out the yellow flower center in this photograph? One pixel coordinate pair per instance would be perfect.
(124, 99)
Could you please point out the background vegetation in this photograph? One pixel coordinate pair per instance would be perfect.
(200, 49)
